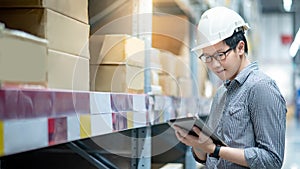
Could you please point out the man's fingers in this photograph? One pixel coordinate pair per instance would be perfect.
(179, 136)
(197, 130)
(181, 131)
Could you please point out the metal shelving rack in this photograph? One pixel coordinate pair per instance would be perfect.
(129, 123)
(77, 129)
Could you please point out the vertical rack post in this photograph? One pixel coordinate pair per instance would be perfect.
(144, 146)
(193, 62)
(141, 148)
(142, 28)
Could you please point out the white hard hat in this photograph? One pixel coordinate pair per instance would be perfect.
(217, 24)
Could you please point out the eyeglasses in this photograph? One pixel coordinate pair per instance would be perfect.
(218, 56)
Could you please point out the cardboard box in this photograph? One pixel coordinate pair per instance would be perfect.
(66, 71)
(118, 48)
(75, 9)
(63, 33)
(170, 32)
(95, 45)
(169, 85)
(103, 21)
(138, 60)
(120, 78)
(185, 87)
(125, 76)
(22, 56)
(183, 68)
(203, 80)
(168, 62)
(117, 78)
(108, 78)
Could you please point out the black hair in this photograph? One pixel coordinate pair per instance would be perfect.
(235, 38)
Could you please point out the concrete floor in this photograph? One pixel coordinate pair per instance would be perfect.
(292, 150)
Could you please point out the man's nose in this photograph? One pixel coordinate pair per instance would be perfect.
(215, 63)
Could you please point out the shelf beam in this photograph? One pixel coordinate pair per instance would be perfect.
(95, 159)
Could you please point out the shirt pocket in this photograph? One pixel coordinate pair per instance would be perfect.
(238, 112)
(236, 123)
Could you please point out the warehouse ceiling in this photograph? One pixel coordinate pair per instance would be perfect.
(190, 8)
(271, 6)
(167, 6)
(100, 10)
(276, 6)
(267, 6)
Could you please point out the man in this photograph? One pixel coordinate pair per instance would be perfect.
(248, 110)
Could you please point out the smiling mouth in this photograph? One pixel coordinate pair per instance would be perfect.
(220, 71)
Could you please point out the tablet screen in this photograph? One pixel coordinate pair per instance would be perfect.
(189, 122)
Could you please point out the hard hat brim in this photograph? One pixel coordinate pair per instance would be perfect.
(210, 43)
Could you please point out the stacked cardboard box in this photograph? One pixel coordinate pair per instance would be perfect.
(175, 78)
(119, 66)
(203, 82)
(76, 10)
(170, 32)
(119, 48)
(64, 24)
(171, 35)
(19, 52)
(167, 77)
(183, 74)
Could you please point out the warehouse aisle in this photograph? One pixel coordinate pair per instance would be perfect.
(292, 151)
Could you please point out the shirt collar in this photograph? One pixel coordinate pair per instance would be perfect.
(242, 76)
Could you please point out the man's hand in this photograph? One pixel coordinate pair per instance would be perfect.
(202, 142)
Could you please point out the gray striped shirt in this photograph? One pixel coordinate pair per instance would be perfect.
(250, 113)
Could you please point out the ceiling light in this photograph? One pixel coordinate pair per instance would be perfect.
(287, 4)
(295, 45)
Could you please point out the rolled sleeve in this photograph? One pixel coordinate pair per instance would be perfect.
(259, 158)
(268, 115)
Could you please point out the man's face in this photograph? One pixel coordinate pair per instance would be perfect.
(227, 68)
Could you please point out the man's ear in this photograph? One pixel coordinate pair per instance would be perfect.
(241, 48)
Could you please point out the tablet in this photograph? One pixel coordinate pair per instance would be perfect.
(187, 124)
